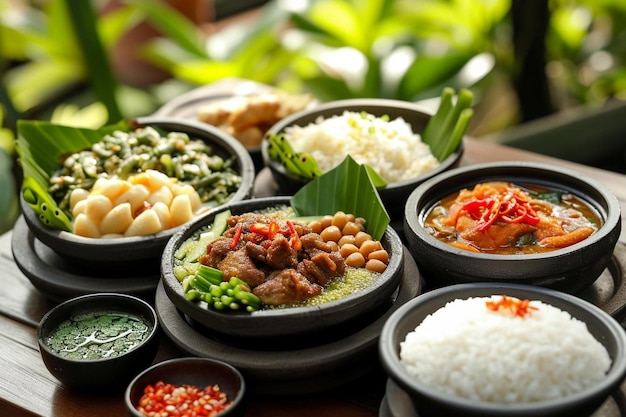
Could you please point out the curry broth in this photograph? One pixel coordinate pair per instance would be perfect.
(561, 203)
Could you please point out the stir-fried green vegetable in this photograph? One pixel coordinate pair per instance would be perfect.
(123, 153)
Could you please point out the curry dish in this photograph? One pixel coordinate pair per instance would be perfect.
(504, 218)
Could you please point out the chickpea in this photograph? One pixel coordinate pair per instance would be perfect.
(375, 265)
(347, 250)
(361, 237)
(326, 221)
(346, 239)
(355, 260)
(340, 219)
(333, 246)
(369, 246)
(315, 226)
(351, 217)
(351, 228)
(331, 233)
(379, 254)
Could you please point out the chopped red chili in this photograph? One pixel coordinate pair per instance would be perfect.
(237, 236)
(509, 207)
(517, 307)
(165, 400)
(269, 231)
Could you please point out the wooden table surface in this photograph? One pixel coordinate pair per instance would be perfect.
(27, 389)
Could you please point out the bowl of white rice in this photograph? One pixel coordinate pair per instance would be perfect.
(382, 133)
(489, 349)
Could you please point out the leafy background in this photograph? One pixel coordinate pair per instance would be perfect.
(525, 60)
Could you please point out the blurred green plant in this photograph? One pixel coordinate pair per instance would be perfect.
(8, 193)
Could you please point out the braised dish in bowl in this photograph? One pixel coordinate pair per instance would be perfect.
(115, 195)
(301, 275)
(387, 135)
(512, 222)
(494, 349)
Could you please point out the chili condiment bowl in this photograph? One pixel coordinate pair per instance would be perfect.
(415, 393)
(278, 326)
(98, 342)
(570, 269)
(220, 378)
(140, 252)
(393, 195)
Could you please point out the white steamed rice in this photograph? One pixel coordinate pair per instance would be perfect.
(390, 147)
(467, 350)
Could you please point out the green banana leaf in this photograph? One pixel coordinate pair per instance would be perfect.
(349, 188)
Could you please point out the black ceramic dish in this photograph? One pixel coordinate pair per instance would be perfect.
(302, 365)
(122, 253)
(60, 280)
(279, 322)
(570, 269)
(99, 374)
(394, 195)
(430, 402)
(199, 372)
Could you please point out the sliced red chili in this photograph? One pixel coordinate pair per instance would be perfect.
(236, 237)
(294, 239)
(509, 207)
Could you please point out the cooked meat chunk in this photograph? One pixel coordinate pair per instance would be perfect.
(322, 267)
(286, 287)
(256, 252)
(216, 251)
(312, 243)
(238, 264)
(280, 254)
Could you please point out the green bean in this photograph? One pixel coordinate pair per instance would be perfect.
(212, 275)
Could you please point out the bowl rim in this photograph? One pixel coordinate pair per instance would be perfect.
(227, 142)
(351, 105)
(389, 353)
(173, 362)
(413, 218)
(174, 290)
(84, 300)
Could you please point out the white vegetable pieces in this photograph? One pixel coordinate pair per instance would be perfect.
(144, 204)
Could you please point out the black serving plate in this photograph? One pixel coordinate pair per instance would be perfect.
(59, 280)
(292, 369)
(397, 403)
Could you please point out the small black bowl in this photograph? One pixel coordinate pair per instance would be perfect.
(199, 372)
(114, 372)
(431, 402)
(287, 322)
(569, 269)
(122, 253)
(394, 195)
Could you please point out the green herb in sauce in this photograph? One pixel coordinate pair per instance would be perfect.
(98, 335)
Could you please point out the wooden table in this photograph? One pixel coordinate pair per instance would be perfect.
(27, 389)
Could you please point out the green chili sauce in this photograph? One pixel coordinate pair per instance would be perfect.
(98, 335)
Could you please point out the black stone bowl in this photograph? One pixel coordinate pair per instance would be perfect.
(276, 323)
(199, 372)
(394, 195)
(430, 402)
(138, 251)
(569, 269)
(106, 374)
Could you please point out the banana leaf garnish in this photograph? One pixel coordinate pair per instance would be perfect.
(347, 187)
(445, 129)
(41, 147)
